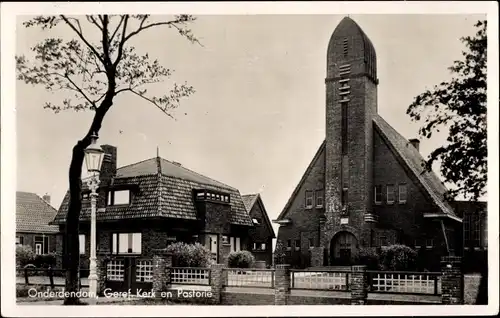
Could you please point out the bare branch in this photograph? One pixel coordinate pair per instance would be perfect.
(122, 42)
(163, 109)
(122, 18)
(80, 35)
(92, 20)
(79, 90)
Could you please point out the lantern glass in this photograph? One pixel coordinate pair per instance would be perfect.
(93, 157)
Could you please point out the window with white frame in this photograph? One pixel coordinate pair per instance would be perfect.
(259, 246)
(144, 271)
(429, 243)
(319, 198)
(309, 199)
(390, 194)
(115, 270)
(377, 196)
(81, 239)
(235, 243)
(402, 193)
(127, 243)
(41, 244)
(119, 197)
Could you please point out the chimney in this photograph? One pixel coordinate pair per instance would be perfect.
(108, 168)
(415, 143)
(46, 198)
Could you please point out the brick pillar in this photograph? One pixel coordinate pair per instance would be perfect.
(226, 249)
(452, 281)
(102, 271)
(317, 253)
(359, 284)
(217, 282)
(159, 273)
(281, 284)
(59, 250)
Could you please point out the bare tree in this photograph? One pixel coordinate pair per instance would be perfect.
(94, 73)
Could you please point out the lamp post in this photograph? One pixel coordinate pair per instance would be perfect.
(93, 160)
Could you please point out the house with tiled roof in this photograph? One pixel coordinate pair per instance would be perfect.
(262, 234)
(146, 205)
(33, 215)
(366, 186)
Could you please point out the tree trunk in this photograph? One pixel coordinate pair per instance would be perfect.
(71, 258)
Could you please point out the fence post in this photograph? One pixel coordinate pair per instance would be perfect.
(282, 284)
(168, 270)
(216, 282)
(102, 271)
(159, 273)
(452, 288)
(359, 285)
(51, 277)
(26, 278)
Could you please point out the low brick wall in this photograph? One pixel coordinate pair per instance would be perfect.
(247, 296)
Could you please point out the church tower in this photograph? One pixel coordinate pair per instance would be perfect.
(351, 102)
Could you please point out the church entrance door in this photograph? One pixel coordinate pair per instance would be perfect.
(342, 248)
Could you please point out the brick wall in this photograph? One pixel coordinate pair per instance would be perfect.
(305, 222)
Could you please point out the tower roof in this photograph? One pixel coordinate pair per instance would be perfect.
(349, 37)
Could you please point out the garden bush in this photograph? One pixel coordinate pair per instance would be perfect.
(241, 259)
(398, 258)
(45, 260)
(24, 255)
(369, 257)
(189, 255)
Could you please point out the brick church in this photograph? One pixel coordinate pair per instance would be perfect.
(365, 187)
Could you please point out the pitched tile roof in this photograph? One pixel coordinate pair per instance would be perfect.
(33, 214)
(250, 200)
(166, 190)
(414, 160)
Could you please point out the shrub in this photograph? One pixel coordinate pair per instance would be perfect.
(369, 257)
(24, 255)
(45, 260)
(189, 255)
(398, 258)
(279, 253)
(241, 259)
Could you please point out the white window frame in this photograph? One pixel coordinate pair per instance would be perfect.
(43, 245)
(307, 198)
(125, 192)
(391, 186)
(117, 238)
(379, 187)
(402, 186)
(81, 239)
(320, 196)
(431, 240)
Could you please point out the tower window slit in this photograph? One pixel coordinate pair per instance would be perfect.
(344, 127)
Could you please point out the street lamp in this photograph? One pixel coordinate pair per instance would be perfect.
(93, 159)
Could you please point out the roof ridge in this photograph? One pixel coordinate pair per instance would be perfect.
(135, 163)
(302, 180)
(202, 183)
(199, 174)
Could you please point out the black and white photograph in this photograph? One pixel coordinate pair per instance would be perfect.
(258, 158)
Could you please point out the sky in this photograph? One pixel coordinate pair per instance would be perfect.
(258, 114)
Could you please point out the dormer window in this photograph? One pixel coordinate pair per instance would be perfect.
(118, 197)
(202, 195)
